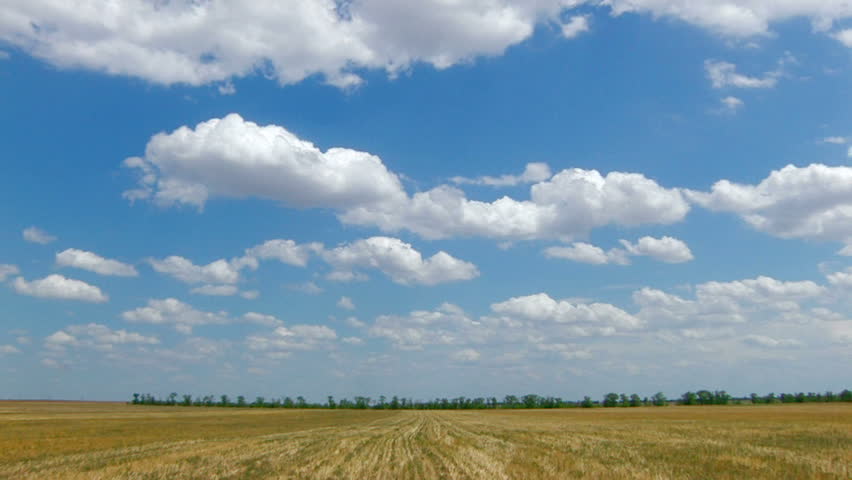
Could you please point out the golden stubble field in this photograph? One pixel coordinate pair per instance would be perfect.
(53, 440)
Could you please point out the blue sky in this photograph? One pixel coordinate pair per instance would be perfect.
(479, 198)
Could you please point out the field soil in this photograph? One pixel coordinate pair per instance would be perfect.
(56, 440)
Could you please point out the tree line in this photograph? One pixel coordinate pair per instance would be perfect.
(529, 401)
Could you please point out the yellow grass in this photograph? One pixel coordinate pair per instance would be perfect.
(43, 440)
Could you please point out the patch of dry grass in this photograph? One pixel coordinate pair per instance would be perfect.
(106, 441)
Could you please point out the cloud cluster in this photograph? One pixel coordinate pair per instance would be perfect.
(7, 271)
(199, 43)
(172, 312)
(726, 302)
(398, 260)
(282, 341)
(60, 288)
(533, 173)
(231, 157)
(813, 202)
(665, 249)
(92, 262)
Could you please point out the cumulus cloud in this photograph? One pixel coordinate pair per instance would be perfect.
(587, 253)
(94, 335)
(8, 350)
(533, 173)
(217, 272)
(216, 290)
(7, 271)
(61, 288)
(836, 140)
(199, 43)
(575, 26)
(588, 319)
(310, 288)
(732, 302)
(769, 342)
(92, 262)
(813, 202)
(346, 303)
(665, 249)
(37, 235)
(724, 74)
(731, 104)
(172, 312)
(282, 341)
(465, 356)
(400, 261)
(231, 157)
(844, 37)
(569, 204)
(738, 18)
(448, 325)
(285, 251)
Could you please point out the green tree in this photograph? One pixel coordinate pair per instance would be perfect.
(635, 401)
(659, 399)
(587, 402)
(610, 400)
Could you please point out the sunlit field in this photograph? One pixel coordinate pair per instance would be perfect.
(52, 440)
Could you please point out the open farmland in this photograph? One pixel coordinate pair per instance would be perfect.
(104, 441)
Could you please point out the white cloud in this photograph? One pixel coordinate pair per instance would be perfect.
(400, 261)
(731, 104)
(210, 42)
(732, 302)
(346, 303)
(261, 319)
(352, 340)
(8, 350)
(92, 262)
(813, 202)
(569, 204)
(355, 323)
(665, 249)
(724, 74)
(844, 37)
(95, 336)
(285, 251)
(59, 287)
(769, 342)
(310, 288)
(589, 319)
(227, 88)
(250, 294)
(7, 271)
(218, 272)
(448, 325)
(841, 279)
(37, 235)
(587, 253)
(283, 340)
(575, 26)
(835, 140)
(738, 18)
(216, 290)
(231, 157)
(533, 173)
(175, 313)
(465, 356)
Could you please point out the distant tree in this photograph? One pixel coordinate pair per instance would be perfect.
(300, 402)
(846, 396)
(530, 400)
(510, 401)
(610, 400)
(623, 400)
(704, 397)
(135, 399)
(689, 398)
(635, 401)
(172, 398)
(755, 399)
(224, 401)
(259, 402)
(394, 403)
(587, 402)
(659, 399)
(331, 403)
(187, 401)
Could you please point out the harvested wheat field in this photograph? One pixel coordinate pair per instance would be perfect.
(53, 440)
